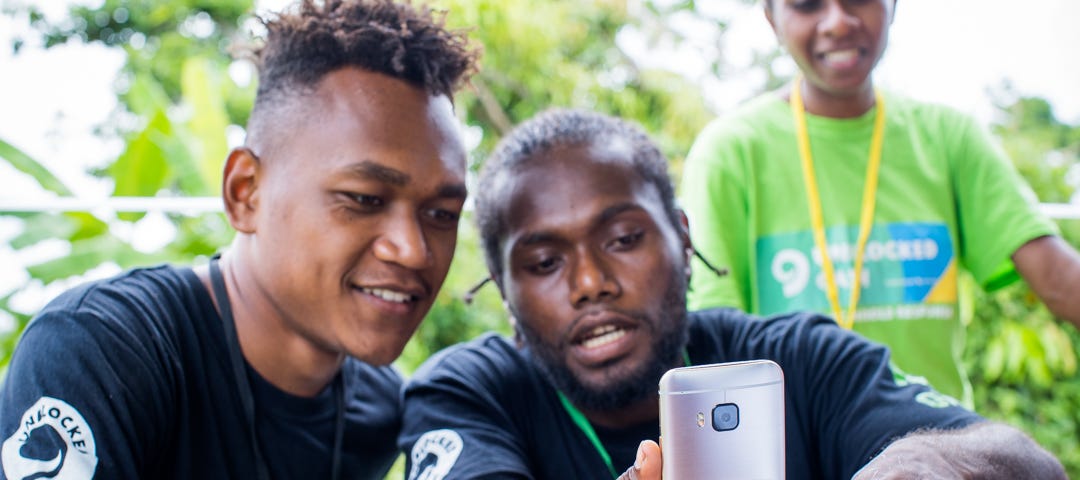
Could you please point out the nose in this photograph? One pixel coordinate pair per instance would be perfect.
(592, 281)
(837, 20)
(402, 242)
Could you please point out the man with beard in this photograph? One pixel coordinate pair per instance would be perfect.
(583, 239)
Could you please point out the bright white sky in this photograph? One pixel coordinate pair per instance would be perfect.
(948, 51)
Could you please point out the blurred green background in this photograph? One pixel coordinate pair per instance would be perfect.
(177, 98)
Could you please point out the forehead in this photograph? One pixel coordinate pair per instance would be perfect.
(571, 187)
(355, 115)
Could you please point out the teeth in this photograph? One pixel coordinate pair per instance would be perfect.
(388, 295)
(841, 55)
(603, 336)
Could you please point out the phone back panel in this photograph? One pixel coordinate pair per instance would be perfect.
(752, 449)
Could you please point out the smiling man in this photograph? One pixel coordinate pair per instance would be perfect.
(582, 236)
(270, 362)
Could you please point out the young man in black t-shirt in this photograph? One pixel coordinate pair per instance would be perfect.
(272, 361)
(582, 237)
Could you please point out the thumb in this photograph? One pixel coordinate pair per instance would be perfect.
(647, 465)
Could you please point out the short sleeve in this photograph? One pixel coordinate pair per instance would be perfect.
(82, 399)
(455, 426)
(997, 210)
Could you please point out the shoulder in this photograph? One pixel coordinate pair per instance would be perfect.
(377, 382)
(130, 289)
(746, 123)
(374, 392)
(751, 116)
(731, 321)
(137, 300)
(489, 357)
(783, 338)
(928, 117)
(113, 352)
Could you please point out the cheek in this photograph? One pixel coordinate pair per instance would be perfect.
(442, 245)
(533, 297)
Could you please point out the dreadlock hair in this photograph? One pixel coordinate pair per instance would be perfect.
(412, 44)
(544, 132)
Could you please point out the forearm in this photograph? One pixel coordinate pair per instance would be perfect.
(1052, 268)
(985, 450)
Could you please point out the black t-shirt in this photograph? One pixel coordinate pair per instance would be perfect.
(483, 410)
(132, 374)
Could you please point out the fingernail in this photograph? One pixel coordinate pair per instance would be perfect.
(640, 460)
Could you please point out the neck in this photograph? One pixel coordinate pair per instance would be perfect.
(823, 103)
(281, 355)
(644, 410)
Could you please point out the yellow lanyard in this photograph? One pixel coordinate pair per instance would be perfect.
(814, 201)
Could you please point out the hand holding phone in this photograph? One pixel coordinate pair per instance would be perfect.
(723, 421)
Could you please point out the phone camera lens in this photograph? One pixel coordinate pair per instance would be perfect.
(725, 417)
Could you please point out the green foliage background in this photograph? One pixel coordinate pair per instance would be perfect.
(177, 99)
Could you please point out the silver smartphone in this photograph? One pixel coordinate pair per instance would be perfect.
(723, 421)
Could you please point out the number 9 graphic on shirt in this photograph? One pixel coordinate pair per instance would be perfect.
(792, 269)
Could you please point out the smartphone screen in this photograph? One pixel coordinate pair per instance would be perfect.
(723, 421)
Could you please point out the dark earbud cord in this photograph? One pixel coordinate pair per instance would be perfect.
(247, 400)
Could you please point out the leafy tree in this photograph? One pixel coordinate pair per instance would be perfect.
(1023, 363)
(176, 102)
(179, 94)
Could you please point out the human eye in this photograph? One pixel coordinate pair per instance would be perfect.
(541, 263)
(626, 241)
(443, 218)
(804, 5)
(544, 266)
(362, 202)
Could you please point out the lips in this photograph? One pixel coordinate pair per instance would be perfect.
(598, 339)
(392, 300)
(842, 58)
(602, 335)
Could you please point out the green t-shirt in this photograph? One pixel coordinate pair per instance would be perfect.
(948, 203)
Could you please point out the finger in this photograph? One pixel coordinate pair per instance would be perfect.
(649, 463)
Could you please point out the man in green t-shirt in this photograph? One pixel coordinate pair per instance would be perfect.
(801, 191)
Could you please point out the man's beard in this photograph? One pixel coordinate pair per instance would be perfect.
(620, 388)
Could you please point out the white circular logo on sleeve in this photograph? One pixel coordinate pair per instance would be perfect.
(434, 454)
(53, 441)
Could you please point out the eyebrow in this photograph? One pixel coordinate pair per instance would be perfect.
(382, 173)
(614, 210)
(605, 216)
(453, 190)
(397, 178)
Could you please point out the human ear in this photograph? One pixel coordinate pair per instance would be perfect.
(239, 189)
(684, 236)
(519, 339)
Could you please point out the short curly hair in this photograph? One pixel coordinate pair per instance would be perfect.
(313, 39)
(545, 132)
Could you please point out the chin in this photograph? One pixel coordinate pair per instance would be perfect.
(387, 352)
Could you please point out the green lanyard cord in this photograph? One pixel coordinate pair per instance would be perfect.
(586, 427)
